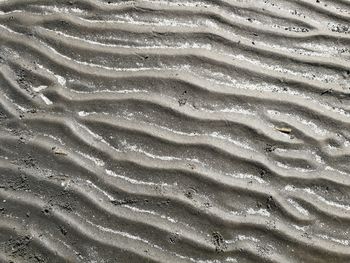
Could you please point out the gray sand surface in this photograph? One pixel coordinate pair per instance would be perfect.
(175, 131)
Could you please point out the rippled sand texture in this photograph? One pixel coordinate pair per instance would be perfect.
(175, 131)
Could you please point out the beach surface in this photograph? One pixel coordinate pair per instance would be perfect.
(175, 131)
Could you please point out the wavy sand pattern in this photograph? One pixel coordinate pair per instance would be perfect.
(175, 131)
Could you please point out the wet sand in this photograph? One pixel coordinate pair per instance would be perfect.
(175, 131)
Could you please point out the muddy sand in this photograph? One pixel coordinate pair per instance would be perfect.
(175, 131)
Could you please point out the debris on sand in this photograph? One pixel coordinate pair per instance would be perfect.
(58, 151)
(219, 242)
(284, 129)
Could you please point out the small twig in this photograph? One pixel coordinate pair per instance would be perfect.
(326, 91)
(58, 152)
(284, 129)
